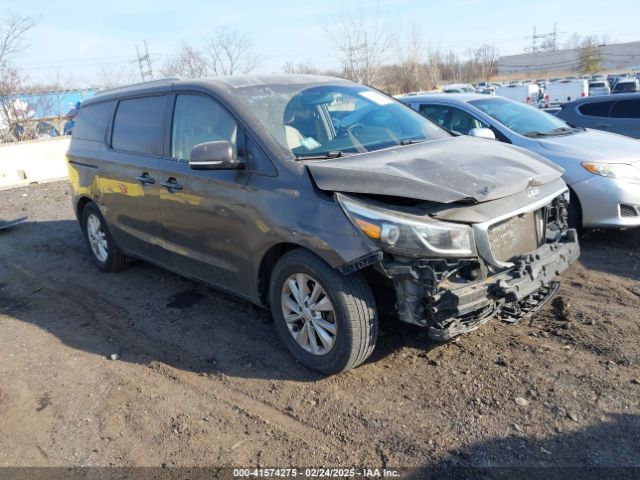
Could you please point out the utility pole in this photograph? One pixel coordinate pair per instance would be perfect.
(542, 36)
(142, 60)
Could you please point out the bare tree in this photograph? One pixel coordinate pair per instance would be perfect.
(187, 62)
(412, 69)
(483, 62)
(304, 68)
(434, 72)
(365, 41)
(231, 53)
(12, 31)
(12, 111)
(111, 76)
(548, 45)
(573, 41)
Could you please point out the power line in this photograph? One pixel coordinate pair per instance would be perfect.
(553, 36)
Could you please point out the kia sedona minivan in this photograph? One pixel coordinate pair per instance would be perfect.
(322, 200)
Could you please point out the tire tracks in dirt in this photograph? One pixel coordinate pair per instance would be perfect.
(233, 398)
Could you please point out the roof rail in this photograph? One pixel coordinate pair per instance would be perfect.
(158, 81)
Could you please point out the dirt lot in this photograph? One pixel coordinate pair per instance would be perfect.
(202, 378)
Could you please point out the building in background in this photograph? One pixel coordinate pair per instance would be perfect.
(621, 56)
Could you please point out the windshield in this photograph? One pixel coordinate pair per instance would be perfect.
(332, 120)
(521, 118)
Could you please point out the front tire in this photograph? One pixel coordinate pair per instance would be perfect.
(102, 248)
(327, 320)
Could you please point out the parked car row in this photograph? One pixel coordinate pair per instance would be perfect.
(601, 169)
(546, 93)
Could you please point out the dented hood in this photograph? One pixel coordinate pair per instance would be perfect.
(444, 171)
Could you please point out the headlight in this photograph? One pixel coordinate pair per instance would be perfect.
(411, 235)
(618, 171)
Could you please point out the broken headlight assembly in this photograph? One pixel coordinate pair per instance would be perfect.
(410, 235)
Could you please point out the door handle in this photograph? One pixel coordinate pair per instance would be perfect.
(603, 124)
(171, 184)
(145, 178)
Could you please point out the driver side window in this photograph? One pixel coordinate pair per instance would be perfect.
(198, 119)
(452, 118)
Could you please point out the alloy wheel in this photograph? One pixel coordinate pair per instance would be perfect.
(309, 314)
(97, 238)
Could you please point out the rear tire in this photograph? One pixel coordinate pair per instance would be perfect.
(102, 248)
(342, 332)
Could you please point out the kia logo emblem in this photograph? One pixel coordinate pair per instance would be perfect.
(534, 192)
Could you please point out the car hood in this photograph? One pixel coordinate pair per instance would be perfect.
(595, 145)
(444, 171)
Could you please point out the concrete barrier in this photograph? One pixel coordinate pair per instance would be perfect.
(34, 161)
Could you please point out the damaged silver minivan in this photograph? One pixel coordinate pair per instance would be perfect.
(324, 201)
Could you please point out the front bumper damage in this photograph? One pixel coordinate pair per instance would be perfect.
(432, 293)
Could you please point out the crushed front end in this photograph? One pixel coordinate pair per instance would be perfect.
(499, 259)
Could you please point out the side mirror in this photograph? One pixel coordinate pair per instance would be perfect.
(482, 133)
(216, 155)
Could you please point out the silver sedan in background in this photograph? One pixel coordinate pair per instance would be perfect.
(601, 169)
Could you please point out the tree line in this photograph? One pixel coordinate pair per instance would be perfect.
(370, 49)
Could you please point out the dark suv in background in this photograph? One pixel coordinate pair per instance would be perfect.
(611, 113)
(322, 200)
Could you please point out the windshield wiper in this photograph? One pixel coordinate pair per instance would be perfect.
(323, 156)
(550, 133)
(409, 141)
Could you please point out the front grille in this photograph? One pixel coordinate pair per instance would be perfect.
(627, 211)
(517, 235)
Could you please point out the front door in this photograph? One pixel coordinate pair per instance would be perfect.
(203, 211)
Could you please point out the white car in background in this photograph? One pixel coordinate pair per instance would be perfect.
(599, 87)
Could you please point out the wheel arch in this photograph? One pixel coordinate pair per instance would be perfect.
(81, 203)
(267, 262)
(575, 200)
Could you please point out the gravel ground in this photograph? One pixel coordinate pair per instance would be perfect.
(200, 377)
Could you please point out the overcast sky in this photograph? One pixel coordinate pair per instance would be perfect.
(81, 39)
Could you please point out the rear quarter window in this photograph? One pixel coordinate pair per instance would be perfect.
(137, 126)
(92, 121)
(626, 109)
(595, 109)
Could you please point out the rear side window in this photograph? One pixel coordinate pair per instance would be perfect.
(628, 87)
(626, 109)
(138, 125)
(92, 121)
(595, 109)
